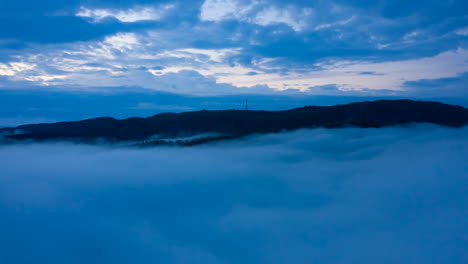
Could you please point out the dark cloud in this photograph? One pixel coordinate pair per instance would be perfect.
(54, 29)
(357, 29)
(425, 10)
(30, 8)
(370, 73)
(55, 21)
(394, 195)
(49, 21)
(455, 86)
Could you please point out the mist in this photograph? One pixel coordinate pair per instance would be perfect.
(388, 195)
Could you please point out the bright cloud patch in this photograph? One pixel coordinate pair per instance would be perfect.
(254, 12)
(217, 10)
(11, 69)
(45, 78)
(289, 16)
(123, 41)
(141, 13)
(199, 55)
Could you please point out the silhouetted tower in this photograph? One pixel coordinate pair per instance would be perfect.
(246, 105)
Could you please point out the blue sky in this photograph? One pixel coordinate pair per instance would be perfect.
(416, 49)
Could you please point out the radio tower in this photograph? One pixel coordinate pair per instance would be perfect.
(246, 105)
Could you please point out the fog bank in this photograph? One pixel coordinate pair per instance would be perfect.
(389, 195)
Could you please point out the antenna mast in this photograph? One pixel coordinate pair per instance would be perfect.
(246, 105)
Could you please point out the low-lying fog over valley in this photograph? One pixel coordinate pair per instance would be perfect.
(353, 195)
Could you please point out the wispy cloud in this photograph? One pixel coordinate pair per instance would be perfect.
(462, 31)
(256, 12)
(135, 14)
(13, 68)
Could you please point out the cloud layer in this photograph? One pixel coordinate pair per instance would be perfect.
(394, 195)
(234, 46)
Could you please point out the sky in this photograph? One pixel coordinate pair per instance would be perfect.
(354, 48)
(308, 196)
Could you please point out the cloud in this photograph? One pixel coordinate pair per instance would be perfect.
(335, 24)
(136, 14)
(289, 16)
(122, 41)
(127, 59)
(255, 12)
(285, 44)
(24, 30)
(217, 10)
(21, 71)
(319, 196)
(452, 86)
(462, 31)
(216, 55)
(11, 69)
(347, 75)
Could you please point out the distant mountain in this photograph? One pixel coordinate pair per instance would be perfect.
(235, 123)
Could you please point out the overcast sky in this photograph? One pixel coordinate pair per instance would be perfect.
(213, 47)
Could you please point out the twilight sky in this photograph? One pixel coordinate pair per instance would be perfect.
(415, 49)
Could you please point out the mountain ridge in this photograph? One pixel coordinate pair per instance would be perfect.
(234, 123)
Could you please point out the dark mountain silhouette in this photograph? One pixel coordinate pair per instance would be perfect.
(235, 123)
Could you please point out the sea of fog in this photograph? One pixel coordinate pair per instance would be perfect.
(390, 195)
